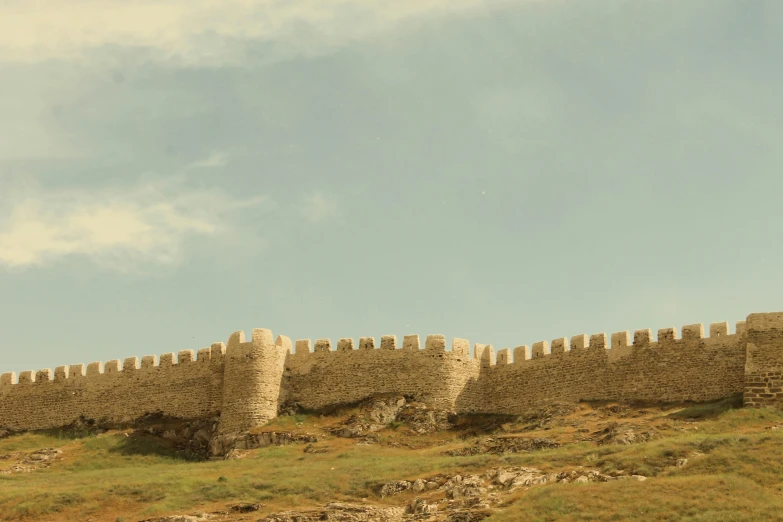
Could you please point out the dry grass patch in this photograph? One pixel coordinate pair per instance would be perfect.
(734, 470)
(717, 498)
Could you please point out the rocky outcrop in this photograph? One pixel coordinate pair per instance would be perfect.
(272, 438)
(615, 433)
(499, 445)
(340, 512)
(374, 415)
(27, 461)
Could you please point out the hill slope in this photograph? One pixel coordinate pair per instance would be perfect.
(390, 460)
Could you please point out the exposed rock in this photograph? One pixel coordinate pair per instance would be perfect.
(30, 461)
(179, 518)
(468, 498)
(272, 438)
(419, 509)
(42, 456)
(546, 415)
(367, 440)
(374, 414)
(419, 506)
(379, 413)
(245, 508)
(501, 445)
(394, 488)
(617, 410)
(289, 409)
(505, 477)
(422, 420)
(203, 436)
(340, 512)
(84, 426)
(467, 516)
(190, 437)
(629, 477)
(615, 433)
(236, 454)
(418, 486)
(517, 477)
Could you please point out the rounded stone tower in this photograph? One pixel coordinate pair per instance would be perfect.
(252, 379)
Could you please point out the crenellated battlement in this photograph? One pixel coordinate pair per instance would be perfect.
(245, 381)
(112, 367)
(434, 344)
(617, 340)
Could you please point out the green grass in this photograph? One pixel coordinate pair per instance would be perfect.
(739, 477)
(103, 476)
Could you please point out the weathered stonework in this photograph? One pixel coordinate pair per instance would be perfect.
(245, 383)
(763, 376)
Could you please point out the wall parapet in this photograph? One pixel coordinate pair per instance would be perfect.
(434, 343)
(129, 365)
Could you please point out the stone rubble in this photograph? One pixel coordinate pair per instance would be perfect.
(272, 438)
(30, 461)
(499, 445)
(615, 433)
(179, 518)
(340, 512)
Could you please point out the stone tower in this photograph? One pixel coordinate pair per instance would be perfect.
(252, 384)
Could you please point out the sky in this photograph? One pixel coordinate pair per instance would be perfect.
(501, 171)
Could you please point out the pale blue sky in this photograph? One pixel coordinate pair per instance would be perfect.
(501, 171)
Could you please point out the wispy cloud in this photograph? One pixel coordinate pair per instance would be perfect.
(117, 228)
(201, 31)
(318, 206)
(216, 159)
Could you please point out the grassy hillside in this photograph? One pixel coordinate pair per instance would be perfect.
(733, 472)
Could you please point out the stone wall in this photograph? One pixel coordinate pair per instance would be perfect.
(764, 360)
(693, 368)
(327, 377)
(246, 382)
(117, 393)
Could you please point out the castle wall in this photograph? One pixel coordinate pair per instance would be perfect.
(764, 360)
(693, 368)
(328, 377)
(246, 382)
(118, 392)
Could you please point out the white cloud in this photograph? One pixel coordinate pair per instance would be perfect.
(117, 228)
(202, 31)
